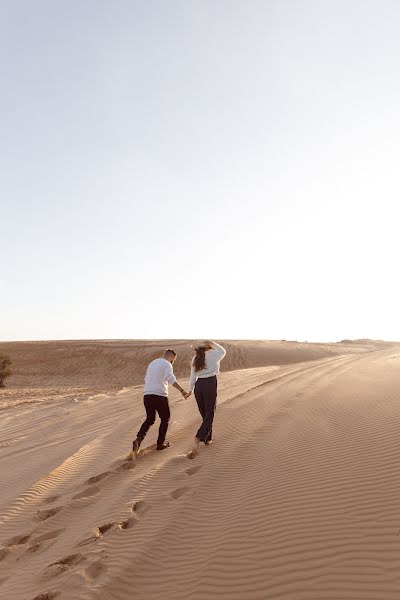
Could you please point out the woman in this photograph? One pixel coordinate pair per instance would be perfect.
(203, 379)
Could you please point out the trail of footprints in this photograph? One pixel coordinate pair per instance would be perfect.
(32, 543)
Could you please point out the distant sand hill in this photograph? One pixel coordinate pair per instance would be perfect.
(297, 499)
(108, 363)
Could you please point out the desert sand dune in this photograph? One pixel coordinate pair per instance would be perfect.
(102, 364)
(297, 499)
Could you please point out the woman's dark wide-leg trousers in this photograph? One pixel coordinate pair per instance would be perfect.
(205, 392)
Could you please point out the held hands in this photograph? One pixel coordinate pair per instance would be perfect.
(186, 394)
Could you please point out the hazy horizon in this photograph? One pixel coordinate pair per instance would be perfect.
(184, 170)
(194, 339)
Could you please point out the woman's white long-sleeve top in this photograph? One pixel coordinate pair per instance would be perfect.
(212, 358)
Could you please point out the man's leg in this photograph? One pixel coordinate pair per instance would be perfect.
(162, 407)
(150, 406)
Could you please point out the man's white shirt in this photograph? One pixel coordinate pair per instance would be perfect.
(158, 375)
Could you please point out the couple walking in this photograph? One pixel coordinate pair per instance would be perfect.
(203, 380)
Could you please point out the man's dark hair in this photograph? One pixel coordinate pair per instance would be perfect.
(169, 353)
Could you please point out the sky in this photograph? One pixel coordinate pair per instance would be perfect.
(223, 169)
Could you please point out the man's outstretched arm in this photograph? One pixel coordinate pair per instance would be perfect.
(182, 391)
(170, 377)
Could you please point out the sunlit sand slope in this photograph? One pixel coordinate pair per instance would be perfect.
(297, 498)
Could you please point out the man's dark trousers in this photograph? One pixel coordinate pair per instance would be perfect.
(155, 404)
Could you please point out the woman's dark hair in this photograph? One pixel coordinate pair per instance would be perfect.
(199, 361)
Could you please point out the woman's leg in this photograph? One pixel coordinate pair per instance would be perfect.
(198, 394)
(209, 439)
(210, 400)
(206, 398)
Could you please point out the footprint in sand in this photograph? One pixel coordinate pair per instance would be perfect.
(90, 491)
(179, 492)
(14, 542)
(103, 528)
(3, 580)
(50, 499)
(62, 565)
(95, 569)
(97, 533)
(192, 454)
(46, 596)
(17, 540)
(97, 478)
(129, 462)
(126, 466)
(143, 452)
(4, 552)
(45, 514)
(193, 470)
(140, 507)
(37, 542)
(127, 523)
(48, 536)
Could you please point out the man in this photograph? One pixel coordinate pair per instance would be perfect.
(158, 375)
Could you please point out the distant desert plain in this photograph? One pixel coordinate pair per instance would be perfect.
(298, 498)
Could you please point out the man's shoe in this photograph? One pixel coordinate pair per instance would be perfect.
(163, 446)
(136, 446)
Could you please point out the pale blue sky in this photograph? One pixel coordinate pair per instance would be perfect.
(199, 168)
